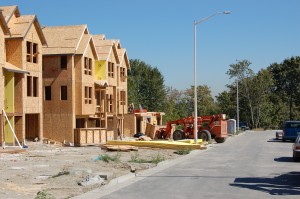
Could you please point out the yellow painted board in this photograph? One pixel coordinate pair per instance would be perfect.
(100, 70)
(191, 141)
(8, 134)
(157, 144)
(9, 92)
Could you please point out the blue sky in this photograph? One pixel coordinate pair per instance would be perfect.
(161, 32)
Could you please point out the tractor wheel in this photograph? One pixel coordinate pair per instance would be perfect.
(178, 135)
(204, 135)
(220, 140)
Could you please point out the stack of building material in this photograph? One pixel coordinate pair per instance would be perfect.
(159, 144)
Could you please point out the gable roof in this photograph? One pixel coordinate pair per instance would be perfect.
(3, 24)
(123, 57)
(67, 40)
(19, 26)
(104, 48)
(9, 11)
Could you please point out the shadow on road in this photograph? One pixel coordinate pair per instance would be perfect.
(285, 184)
(284, 159)
(279, 141)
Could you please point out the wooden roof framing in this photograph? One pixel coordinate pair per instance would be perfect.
(3, 24)
(104, 48)
(9, 11)
(20, 25)
(68, 40)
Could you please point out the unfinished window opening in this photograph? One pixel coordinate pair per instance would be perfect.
(109, 103)
(110, 69)
(122, 98)
(90, 66)
(34, 53)
(87, 66)
(29, 86)
(63, 62)
(88, 95)
(35, 87)
(47, 92)
(80, 123)
(64, 93)
(123, 74)
(31, 52)
(28, 51)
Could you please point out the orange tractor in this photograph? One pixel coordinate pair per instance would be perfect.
(213, 126)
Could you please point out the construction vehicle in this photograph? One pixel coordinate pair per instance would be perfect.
(213, 126)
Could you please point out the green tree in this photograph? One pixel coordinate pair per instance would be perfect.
(243, 73)
(286, 77)
(226, 102)
(205, 101)
(146, 86)
(177, 106)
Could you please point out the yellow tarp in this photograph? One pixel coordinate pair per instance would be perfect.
(159, 144)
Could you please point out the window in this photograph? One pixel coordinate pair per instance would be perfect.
(28, 47)
(31, 52)
(110, 69)
(32, 86)
(88, 66)
(123, 74)
(63, 62)
(64, 93)
(35, 86)
(109, 102)
(29, 87)
(122, 98)
(88, 95)
(34, 53)
(47, 92)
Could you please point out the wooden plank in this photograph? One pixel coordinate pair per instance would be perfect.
(119, 148)
(158, 144)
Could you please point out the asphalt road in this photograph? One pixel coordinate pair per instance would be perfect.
(250, 165)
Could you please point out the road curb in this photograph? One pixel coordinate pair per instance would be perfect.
(123, 181)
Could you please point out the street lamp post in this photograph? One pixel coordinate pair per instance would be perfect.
(237, 106)
(195, 70)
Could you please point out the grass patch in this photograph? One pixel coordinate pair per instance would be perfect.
(154, 159)
(107, 158)
(61, 173)
(183, 152)
(44, 195)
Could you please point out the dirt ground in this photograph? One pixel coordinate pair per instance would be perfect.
(56, 170)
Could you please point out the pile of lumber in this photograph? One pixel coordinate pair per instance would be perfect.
(175, 145)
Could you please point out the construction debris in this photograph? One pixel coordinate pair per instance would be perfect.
(125, 148)
(144, 138)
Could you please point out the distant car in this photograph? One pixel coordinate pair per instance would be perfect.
(291, 130)
(244, 126)
(296, 149)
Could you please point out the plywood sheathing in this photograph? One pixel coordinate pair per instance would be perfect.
(104, 48)
(10, 11)
(19, 26)
(3, 24)
(63, 39)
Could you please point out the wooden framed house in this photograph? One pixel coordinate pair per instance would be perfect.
(23, 75)
(111, 68)
(71, 111)
(4, 30)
